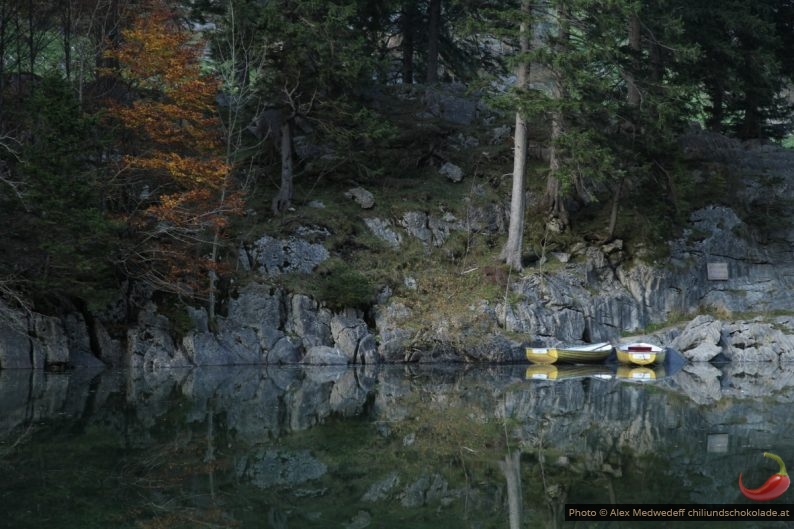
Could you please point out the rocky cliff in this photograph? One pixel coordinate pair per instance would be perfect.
(721, 265)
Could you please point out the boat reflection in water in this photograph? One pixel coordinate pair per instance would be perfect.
(567, 371)
(379, 446)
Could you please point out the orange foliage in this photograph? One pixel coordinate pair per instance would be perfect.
(176, 141)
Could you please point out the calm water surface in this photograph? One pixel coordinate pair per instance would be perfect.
(389, 447)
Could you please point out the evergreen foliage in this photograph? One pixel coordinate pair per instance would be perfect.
(59, 235)
(300, 89)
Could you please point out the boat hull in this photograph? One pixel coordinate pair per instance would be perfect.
(640, 354)
(582, 355)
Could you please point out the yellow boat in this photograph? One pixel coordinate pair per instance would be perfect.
(640, 354)
(564, 372)
(580, 354)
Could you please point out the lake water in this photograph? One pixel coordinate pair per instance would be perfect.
(382, 447)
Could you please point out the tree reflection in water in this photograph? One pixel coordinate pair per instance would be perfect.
(373, 446)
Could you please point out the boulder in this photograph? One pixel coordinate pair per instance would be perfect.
(362, 197)
(700, 339)
(324, 356)
(452, 172)
(284, 351)
(415, 223)
(271, 468)
(382, 229)
(349, 332)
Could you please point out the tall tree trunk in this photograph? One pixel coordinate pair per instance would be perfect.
(751, 122)
(407, 21)
(107, 34)
(657, 62)
(284, 197)
(633, 98)
(717, 110)
(3, 26)
(67, 38)
(512, 251)
(433, 31)
(554, 199)
(31, 39)
(613, 214)
(18, 42)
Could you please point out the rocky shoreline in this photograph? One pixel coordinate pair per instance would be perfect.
(588, 294)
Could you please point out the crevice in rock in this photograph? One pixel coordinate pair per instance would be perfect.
(91, 329)
(31, 346)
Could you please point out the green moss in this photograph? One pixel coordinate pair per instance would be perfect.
(340, 286)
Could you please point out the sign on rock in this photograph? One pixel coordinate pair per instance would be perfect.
(717, 271)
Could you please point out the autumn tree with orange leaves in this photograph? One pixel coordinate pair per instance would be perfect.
(175, 156)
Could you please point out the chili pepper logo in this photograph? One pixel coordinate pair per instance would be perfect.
(776, 485)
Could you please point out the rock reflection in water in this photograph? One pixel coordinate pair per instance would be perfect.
(376, 446)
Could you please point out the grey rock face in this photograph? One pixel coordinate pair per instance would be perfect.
(309, 321)
(261, 308)
(111, 351)
(233, 345)
(490, 219)
(29, 340)
(497, 349)
(50, 342)
(272, 257)
(757, 342)
(450, 103)
(15, 346)
(351, 336)
(150, 345)
(393, 337)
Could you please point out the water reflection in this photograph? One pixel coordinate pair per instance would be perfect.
(378, 447)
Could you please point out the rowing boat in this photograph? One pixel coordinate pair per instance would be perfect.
(579, 354)
(640, 353)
